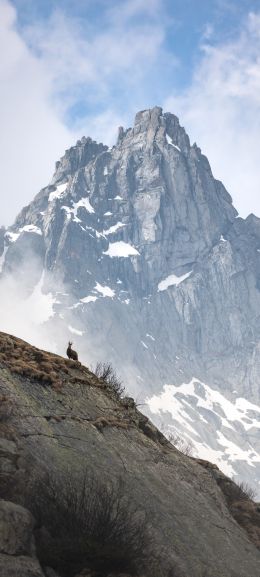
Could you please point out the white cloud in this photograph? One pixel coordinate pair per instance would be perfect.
(32, 136)
(220, 110)
(103, 127)
(23, 312)
(108, 73)
(59, 64)
(133, 8)
(94, 62)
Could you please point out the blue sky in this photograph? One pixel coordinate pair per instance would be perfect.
(85, 67)
(179, 28)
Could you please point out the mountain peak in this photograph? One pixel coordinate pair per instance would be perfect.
(158, 126)
(149, 116)
(78, 156)
(140, 257)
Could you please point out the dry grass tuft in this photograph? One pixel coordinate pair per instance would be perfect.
(51, 370)
(27, 361)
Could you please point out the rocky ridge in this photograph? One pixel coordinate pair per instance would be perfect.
(146, 261)
(57, 417)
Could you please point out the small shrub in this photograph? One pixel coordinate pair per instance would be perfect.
(241, 491)
(185, 447)
(105, 372)
(86, 523)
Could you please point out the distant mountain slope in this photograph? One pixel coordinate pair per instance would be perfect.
(56, 417)
(137, 253)
(213, 427)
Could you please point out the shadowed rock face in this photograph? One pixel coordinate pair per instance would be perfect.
(162, 276)
(17, 550)
(78, 422)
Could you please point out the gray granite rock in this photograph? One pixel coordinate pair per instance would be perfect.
(22, 566)
(190, 524)
(161, 277)
(16, 527)
(17, 549)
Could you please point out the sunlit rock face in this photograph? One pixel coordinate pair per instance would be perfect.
(148, 263)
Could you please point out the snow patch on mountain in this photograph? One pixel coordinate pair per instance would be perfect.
(113, 228)
(172, 280)
(12, 236)
(150, 336)
(84, 203)
(31, 228)
(169, 140)
(106, 291)
(218, 429)
(88, 299)
(121, 249)
(71, 213)
(73, 210)
(58, 192)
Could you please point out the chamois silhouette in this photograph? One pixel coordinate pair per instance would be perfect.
(70, 353)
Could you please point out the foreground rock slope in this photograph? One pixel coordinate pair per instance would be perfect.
(57, 421)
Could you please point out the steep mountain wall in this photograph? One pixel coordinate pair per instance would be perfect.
(149, 266)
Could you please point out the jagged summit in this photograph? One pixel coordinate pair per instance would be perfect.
(153, 126)
(142, 257)
(77, 157)
(154, 121)
(60, 425)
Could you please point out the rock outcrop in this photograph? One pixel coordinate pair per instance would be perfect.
(58, 419)
(17, 550)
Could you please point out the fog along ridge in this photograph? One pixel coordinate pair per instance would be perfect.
(141, 259)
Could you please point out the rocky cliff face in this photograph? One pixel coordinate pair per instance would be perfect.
(57, 421)
(148, 265)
